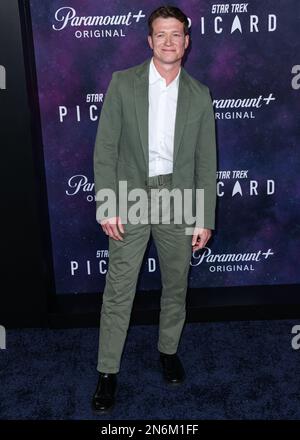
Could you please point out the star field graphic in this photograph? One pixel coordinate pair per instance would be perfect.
(245, 56)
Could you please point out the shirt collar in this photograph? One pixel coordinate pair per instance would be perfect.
(154, 75)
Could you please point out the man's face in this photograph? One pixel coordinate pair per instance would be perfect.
(168, 40)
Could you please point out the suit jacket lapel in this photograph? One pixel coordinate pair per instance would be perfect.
(183, 101)
(141, 85)
(141, 92)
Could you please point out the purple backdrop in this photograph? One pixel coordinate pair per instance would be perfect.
(248, 57)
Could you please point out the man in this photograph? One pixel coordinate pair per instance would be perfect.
(156, 131)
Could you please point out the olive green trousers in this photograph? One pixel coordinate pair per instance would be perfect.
(174, 250)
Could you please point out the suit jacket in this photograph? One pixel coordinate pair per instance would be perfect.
(121, 146)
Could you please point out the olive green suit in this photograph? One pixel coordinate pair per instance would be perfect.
(121, 154)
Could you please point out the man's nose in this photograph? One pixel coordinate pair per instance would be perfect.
(168, 40)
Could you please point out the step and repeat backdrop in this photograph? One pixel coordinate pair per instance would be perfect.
(248, 54)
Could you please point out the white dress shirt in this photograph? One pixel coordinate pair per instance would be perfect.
(161, 122)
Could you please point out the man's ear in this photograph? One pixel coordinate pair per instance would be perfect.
(187, 41)
(150, 41)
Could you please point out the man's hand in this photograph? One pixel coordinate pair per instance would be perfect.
(112, 227)
(200, 238)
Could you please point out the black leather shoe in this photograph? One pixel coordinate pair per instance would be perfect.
(173, 370)
(104, 397)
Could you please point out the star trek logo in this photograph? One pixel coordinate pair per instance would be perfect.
(237, 184)
(235, 19)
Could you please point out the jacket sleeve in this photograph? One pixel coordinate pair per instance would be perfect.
(107, 141)
(205, 163)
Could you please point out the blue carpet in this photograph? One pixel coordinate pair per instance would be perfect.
(235, 370)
